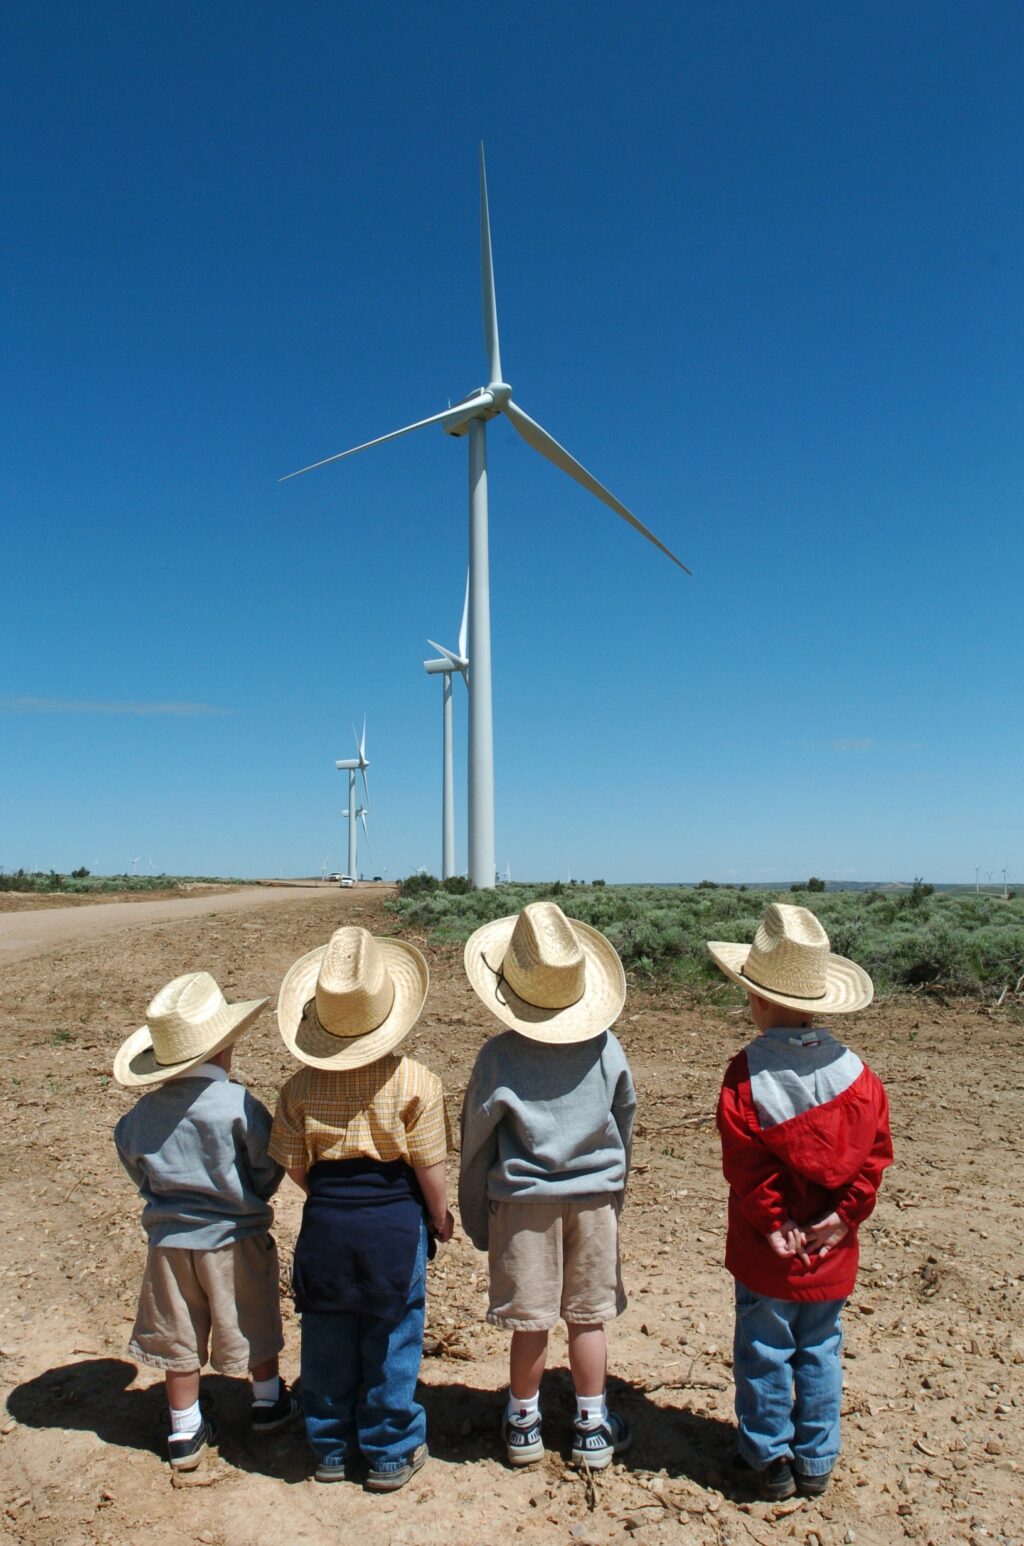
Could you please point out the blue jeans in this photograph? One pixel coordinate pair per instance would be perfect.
(789, 1380)
(359, 1381)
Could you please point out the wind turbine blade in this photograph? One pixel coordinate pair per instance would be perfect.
(366, 788)
(465, 620)
(448, 416)
(546, 444)
(456, 660)
(362, 743)
(487, 279)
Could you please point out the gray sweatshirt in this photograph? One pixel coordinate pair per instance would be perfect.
(541, 1120)
(196, 1148)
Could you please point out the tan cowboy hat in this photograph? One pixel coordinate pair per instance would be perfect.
(791, 963)
(549, 977)
(188, 1021)
(350, 1001)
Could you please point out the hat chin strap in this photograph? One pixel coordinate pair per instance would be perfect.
(500, 977)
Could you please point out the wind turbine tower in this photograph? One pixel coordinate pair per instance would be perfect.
(470, 417)
(445, 667)
(352, 766)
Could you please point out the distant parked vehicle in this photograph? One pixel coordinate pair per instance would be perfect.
(346, 880)
(335, 875)
(378, 877)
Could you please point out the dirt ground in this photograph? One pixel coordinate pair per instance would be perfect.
(934, 1399)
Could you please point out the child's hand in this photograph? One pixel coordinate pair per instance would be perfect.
(788, 1240)
(825, 1234)
(443, 1231)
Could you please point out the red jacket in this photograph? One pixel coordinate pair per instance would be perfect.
(826, 1159)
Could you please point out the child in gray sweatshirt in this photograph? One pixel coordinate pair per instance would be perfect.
(546, 1129)
(195, 1145)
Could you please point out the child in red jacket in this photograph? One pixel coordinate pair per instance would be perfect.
(804, 1125)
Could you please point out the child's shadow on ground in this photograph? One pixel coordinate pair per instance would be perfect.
(93, 1397)
(464, 1423)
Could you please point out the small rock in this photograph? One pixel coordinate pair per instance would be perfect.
(993, 1447)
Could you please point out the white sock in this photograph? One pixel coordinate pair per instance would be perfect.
(187, 1421)
(266, 1392)
(591, 1410)
(523, 1411)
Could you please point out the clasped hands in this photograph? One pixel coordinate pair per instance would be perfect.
(805, 1240)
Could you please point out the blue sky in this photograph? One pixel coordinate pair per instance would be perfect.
(758, 267)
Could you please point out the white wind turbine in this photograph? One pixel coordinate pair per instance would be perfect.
(471, 415)
(352, 765)
(446, 666)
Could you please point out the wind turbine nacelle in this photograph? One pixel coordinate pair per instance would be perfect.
(437, 667)
(347, 766)
(484, 405)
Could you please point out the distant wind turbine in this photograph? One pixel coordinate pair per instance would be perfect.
(352, 765)
(449, 663)
(471, 415)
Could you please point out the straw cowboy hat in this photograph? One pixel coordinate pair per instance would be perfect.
(350, 1001)
(791, 963)
(188, 1021)
(549, 977)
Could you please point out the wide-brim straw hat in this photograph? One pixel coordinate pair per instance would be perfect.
(187, 1022)
(549, 977)
(347, 1003)
(791, 963)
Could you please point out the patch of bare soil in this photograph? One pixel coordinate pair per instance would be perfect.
(935, 1351)
(34, 901)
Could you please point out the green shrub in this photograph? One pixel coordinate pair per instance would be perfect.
(960, 942)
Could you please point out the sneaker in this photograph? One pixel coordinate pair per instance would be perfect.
(775, 1482)
(269, 1416)
(346, 1470)
(523, 1443)
(186, 1450)
(812, 1486)
(390, 1481)
(597, 1447)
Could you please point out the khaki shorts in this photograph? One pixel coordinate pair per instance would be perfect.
(554, 1258)
(228, 1299)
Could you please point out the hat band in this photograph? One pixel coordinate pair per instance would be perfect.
(311, 1013)
(500, 977)
(810, 998)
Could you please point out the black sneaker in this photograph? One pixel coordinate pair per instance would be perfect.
(523, 1443)
(775, 1483)
(269, 1416)
(597, 1447)
(185, 1451)
(812, 1486)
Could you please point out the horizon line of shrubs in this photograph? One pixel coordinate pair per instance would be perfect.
(916, 940)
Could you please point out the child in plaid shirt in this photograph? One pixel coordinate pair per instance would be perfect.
(365, 1135)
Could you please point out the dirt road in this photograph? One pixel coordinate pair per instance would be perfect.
(934, 1405)
(38, 931)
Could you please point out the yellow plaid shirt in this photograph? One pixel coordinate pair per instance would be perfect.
(389, 1110)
